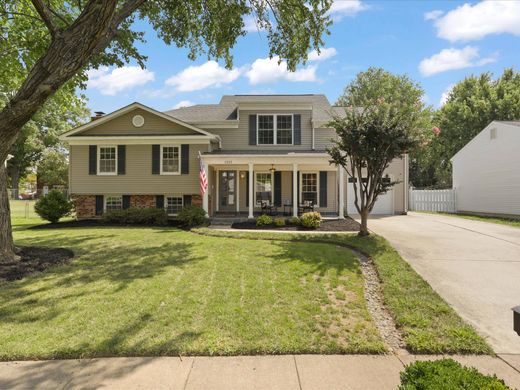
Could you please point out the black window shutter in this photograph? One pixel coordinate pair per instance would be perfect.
(252, 129)
(323, 188)
(247, 189)
(185, 159)
(186, 200)
(156, 159)
(99, 204)
(278, 188)
(121, 159)
(159, 201)
(297, 129)
(92, 159)
(298, 187)
(126, 202)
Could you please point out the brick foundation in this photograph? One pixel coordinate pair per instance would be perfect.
(85, 206)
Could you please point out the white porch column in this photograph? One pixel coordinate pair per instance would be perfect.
(205, 197)
(341, 211)
(237, 194)
(295, 190)
(250, 184)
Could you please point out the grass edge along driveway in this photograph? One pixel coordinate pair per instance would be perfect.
(482, 218)
(428, 324)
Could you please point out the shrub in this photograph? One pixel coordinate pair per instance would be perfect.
(264, 220)
(294, 221)
(311, 220)
(279, 222)
(192, 216)
(446, 374)
(53, 206)
(136, 216)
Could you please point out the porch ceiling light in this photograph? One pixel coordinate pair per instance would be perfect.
(272, 169)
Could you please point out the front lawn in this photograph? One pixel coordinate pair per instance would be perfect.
(164, 291)
(428, 324)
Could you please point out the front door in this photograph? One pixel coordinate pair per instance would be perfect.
(227, 190)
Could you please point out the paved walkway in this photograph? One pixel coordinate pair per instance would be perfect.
(473, 265)
(284, 372)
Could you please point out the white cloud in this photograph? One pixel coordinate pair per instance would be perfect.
(325, 53)
(450, 59)
(445, 95)
(119, 79)
(210, 74)
(250, 25)
(341, 8)
(267, 70)
(469, 22)
(433, 15)
(183, 103)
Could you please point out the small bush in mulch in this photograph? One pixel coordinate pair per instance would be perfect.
(34, 259)
(311, 220)
(327, 225)
(447, 374)
(136, 216)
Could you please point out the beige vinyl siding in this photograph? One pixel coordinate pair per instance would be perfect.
(238, 139)
(153, 124)
(138, 179)
(322, 138)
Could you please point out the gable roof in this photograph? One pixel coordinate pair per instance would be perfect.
(126, 110)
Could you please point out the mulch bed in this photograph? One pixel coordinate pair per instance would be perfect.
(34, 259)
(327, 225)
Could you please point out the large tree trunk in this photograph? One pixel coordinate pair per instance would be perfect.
(69, 51)
(363, 229)
(7, 253)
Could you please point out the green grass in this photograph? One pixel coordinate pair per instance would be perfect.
(503, 221)
(22, 209)
(427, 322)
(163, 291)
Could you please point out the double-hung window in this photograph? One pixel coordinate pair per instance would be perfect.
(107, 160)
(275, 129)
(310, 188)
(173, 204)
(263, 188)
(113, 203)
(170, 160)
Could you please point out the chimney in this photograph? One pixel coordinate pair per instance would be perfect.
(99, 114)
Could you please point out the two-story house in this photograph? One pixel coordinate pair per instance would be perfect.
(255, 148)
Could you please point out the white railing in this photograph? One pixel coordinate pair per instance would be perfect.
(433, 200)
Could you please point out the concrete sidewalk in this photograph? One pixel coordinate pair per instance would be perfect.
(243, 372)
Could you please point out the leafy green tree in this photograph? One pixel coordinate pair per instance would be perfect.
(53, 168)
(48, 44)
(383, 119)
(472, 104)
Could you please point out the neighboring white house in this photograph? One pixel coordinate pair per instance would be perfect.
(486, 172)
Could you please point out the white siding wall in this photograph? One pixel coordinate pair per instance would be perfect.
(486, 172)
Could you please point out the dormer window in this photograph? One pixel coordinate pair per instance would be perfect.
(275, 129)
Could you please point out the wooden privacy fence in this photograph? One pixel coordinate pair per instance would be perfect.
(432, 200)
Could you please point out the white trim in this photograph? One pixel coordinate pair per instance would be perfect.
(238, 190)
(161, 172)
(254, 187)
(275, 129)
(226, 124)
(165, 205)
(295, 190)
(124, 110)
(105, 197)
(251, 188)
(98, 158)
(317, 173)
(144, 140)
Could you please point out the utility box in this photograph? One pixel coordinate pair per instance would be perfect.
(516, 319)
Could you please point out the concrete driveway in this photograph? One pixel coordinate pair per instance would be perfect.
(473, 265)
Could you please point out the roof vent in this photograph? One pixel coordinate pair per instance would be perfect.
(99, 114)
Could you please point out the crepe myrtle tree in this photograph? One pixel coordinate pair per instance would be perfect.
(46, 44)
(383, 114)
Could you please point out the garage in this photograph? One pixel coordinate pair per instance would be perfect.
(384, 204)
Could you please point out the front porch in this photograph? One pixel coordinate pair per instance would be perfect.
(245, 186)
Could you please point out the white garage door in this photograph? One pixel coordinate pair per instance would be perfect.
(384, 204)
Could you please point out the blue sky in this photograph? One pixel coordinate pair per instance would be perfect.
(436, 43)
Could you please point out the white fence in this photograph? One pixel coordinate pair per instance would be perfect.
(433, 200)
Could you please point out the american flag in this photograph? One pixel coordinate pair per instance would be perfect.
(202, 177)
